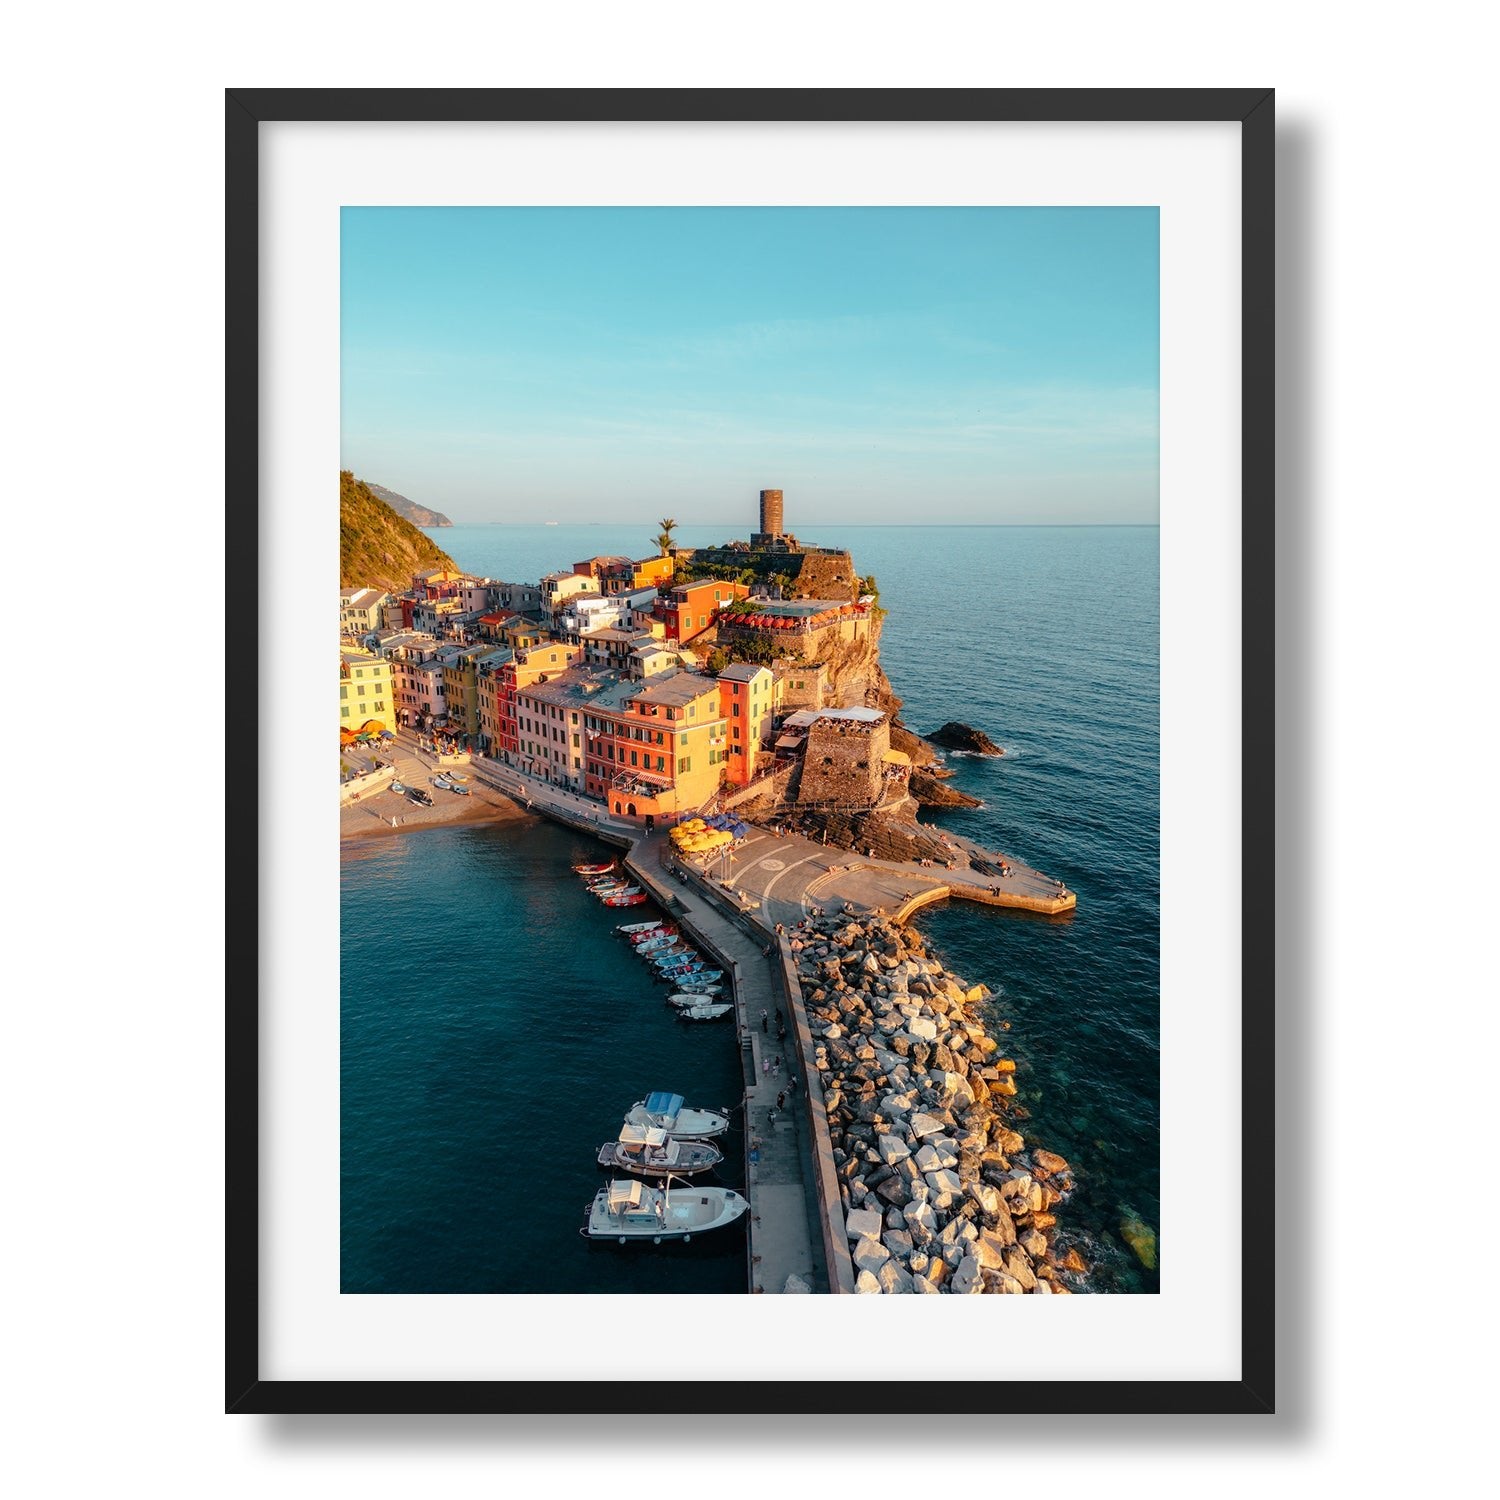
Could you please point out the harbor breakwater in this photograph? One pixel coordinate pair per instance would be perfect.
(940, 1192)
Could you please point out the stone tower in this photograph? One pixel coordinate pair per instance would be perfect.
(843, 766)
(770, 512)
(770, 534)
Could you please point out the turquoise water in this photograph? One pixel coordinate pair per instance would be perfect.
(500, 978)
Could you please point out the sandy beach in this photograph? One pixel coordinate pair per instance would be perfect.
(372, 814)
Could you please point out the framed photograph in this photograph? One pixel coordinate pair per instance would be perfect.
(804, 692)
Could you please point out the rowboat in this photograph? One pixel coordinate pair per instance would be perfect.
(697, 976)
(603, 869)
(705, 1012)
(686, 999)
(639, 927)
(614, 895)
(649, 942)
(630, 1210)
(441, 782)
(639, 899)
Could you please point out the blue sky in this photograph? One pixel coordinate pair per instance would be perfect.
(885, 365)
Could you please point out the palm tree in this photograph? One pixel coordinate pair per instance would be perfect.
(663, 539)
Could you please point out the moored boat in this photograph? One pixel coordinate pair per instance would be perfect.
(695, 976)
(601, 869)
(707, 1011)
(638, 899)
(628, 1209)
(441, 782)
(650, 1151)
(667, 1112)
(629, 928)
(685, 999)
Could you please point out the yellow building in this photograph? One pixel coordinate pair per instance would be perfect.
(367, 692)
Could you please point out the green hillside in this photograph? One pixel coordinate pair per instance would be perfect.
(377, 548)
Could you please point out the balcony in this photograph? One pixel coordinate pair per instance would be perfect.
(635, 783)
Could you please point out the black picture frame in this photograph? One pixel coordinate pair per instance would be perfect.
(1254, 110)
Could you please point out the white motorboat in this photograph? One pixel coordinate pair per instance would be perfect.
(705, 1012)
(616, 892)
(629, 927)
(652, 1152)
(667, 1112)
(628, 1209)
(686, 998)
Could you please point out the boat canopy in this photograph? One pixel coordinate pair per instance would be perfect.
(624, 1195)
(643, 1135)
(664, 1104)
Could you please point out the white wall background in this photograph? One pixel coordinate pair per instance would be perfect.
(1384, 607)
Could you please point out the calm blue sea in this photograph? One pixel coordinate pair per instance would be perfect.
(494, 1031)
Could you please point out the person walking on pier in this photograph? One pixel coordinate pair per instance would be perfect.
(765, 1021)
(781, 1100)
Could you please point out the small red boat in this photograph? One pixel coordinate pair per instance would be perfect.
(603, 869)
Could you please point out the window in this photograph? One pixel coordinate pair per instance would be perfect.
(343, 691)
(684, 765)
(736, 714)
(361, 690)
(344, 712)
(575, 741)
(633, 760)
(736, 731)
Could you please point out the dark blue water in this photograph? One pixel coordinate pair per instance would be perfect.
(1047, 639)
(494, 1031)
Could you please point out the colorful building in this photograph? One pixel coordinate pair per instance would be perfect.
(688, 609)
(527, 665)
(749, 702)
(361, 611)
(670, 748)
(621, 575)
(367, 692)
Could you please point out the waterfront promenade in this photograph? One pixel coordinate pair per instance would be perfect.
(790, 876)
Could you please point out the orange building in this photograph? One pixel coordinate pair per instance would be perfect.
(671, 747)
(688, 609)
(749, 698)
(622, 576)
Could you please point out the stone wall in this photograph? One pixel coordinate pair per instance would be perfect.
(843, 764)
(826, 575)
